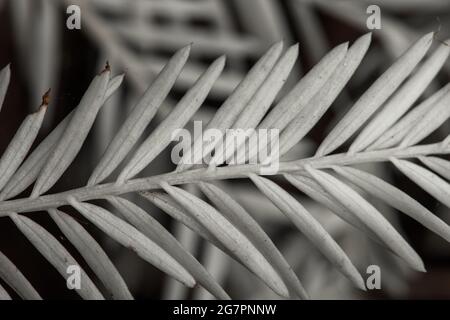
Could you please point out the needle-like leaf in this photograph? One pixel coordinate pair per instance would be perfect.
(427, 180)
(21, 144)
(5, 75)
(438, 165)
(164, 202)
(403, 99)
(226, 115)
(368, 215)
(315, 191)
(257, 107)
(299, 96)
(395, 198)
(230, 236)
(177, 119)
(93, 254)
(149, 226)
(73, 137)
(237, 215)
(375, 96)
(130, 237)
(33, 164)
(310, 227)
(430, 122)
(56, 254)
(397, 132)
(322, 100)
(138, 119)
(113, 85)
(4, 295)
(16, 280)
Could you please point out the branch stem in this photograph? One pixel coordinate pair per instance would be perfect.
(204, 174)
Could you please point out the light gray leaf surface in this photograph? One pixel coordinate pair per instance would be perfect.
(375, 96)
(4, 295)
(395, 198)
(397, 132)
(299, 96)
(402, 100)
(228, 112)
(310, 227)
(149, 226)
(113, 85)
(16, 280)
(322, 100)
(315, 191)
(130, 237)
(5, 75)
(56, 254)
(74, 135)
(432, 120)
(369, 216)
(237, 215)
(446, 141)
(230, 236)
(164, 202)
(33, 164)
(438, 165)
(427, 180)
(93, 254)
(138, 119)
(257, 107)
(177, 119)
(21, 144)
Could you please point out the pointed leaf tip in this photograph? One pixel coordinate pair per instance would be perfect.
(368, 215)
(395, 198)
(161, 137)
(130, 237)
(55, 253)
(230, 236)
(277, 46)
(374, 97)
(107, 67)
(46, 97)
(309, 226)
(92, 253)
(149, 226)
